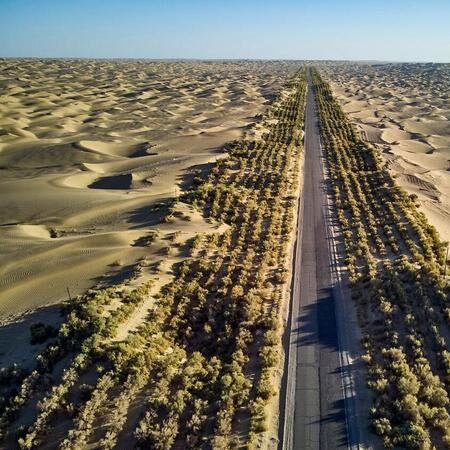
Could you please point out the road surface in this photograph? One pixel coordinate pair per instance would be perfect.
(314, 415)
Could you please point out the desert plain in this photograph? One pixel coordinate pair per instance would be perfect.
(110, 177)
(93, 152)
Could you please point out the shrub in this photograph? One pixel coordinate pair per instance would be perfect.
(40, 332)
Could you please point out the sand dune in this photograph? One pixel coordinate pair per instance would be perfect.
(116, 149)
(89, 149)
(405, 109)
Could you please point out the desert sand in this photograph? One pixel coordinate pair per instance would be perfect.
(92, 152)
(405, 109)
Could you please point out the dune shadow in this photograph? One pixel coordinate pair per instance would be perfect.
(15, 335)
(118, 274)
(194, 175)
(149, 215)
(113, 182)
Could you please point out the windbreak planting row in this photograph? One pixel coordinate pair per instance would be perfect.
(395, 263)
(199, 372)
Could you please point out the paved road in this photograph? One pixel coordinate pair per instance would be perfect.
(314, 409)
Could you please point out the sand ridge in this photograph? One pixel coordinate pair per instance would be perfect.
(93, 151)
(405, 108)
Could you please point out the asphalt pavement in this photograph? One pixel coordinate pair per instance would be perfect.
(314, 411)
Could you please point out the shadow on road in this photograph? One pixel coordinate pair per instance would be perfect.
(317, 324)
(337, 415)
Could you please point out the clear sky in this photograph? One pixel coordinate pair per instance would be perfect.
(396, 30)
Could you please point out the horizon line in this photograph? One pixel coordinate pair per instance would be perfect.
(147, 58)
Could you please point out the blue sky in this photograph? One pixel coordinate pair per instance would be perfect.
(395, 30)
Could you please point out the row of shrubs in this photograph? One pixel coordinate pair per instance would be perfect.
(395, 264)
(200, 369)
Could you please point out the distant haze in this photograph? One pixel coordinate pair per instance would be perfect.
(399, 30)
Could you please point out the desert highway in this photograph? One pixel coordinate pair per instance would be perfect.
(314, 412)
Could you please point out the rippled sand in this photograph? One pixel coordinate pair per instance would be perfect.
(88, 148)
(404, 108)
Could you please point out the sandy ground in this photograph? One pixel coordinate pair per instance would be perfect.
(91, 150)
(405, 109)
